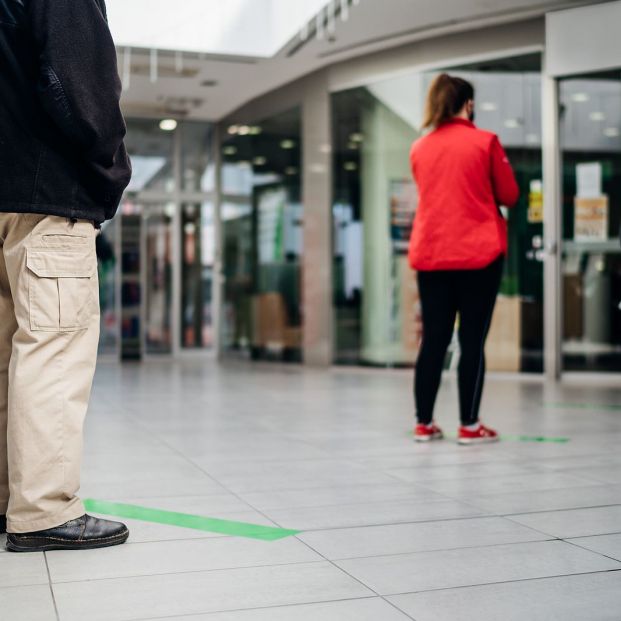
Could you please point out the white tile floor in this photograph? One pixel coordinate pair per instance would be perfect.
(390, 531)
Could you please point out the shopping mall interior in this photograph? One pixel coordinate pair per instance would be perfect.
(260, 325)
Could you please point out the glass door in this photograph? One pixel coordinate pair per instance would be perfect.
(158, 278)
(590, 133)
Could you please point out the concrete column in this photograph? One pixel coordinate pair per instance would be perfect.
(317, 284)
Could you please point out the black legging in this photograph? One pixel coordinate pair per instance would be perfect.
(472, 294)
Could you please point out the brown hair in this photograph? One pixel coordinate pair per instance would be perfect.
(447, 96)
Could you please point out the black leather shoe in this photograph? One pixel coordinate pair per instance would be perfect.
(85, 533)
(2, 524)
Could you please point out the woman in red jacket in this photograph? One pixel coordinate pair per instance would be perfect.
(458, 245)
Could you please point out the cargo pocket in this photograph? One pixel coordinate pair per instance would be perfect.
(61, 289)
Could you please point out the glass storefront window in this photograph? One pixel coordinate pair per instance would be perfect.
(107, 261)
(151, 152)
(198, 256)
(376, 303)
(197, 167)
(262, 238)
(590, 127)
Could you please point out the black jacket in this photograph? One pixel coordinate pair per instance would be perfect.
(61, 127)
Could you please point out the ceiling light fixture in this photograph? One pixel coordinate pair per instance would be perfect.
(489, 106)
(230, 150)
(350, 166)
(243, 130)
(611, 132)
(233, 130)
(168, 125)
(255, 130)
(513, 123)
(597, 116)
(259, 161)
(287, 145)
(291, 170)
(356, 137)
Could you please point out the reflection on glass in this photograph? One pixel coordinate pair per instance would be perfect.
(106, 244)
(158, 286)
(262, 238)
(375, 295)
(151, 152)
(197, 168)
(198, 254)
(591, 143)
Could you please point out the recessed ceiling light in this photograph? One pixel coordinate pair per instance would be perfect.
(489, 106)
(350, 166)
(291, 170)
(512, 123)
(580, 97)
(229, 150)
(254, 130)
(287, 144)
(354, 146)
(233, 130)
(597, 116)
(168, 125)
(259, 161)
(611, 132)
(532, 138)
(243, 130)
(356, 137)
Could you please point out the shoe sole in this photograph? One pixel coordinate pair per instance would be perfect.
(467, 441)
(46, 544)
(436, 436)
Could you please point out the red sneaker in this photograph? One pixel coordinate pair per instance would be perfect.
(422, 433)
(482, 435)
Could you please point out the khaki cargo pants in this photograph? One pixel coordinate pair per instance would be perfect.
(49, 331)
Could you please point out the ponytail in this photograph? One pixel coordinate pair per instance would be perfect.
(447, 96)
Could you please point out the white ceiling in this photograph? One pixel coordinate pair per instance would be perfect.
(210, 87)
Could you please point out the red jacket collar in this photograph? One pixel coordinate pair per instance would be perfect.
(459, 121)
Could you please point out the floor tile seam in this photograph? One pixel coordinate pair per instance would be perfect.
(277, 606)
(176, 451)
(426, 521)
(358, 580)
(612, 558)
(550, 539)
(593, 536)
(606, 506)
(224, 487)
(451, 549)
(512, 519)
(25, 585)
(51, 586)
(189, 572)
(519, 581)
(427, 501)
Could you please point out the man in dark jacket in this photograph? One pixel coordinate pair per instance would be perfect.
(63, 169)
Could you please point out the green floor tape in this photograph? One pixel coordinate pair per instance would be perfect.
(184, 520)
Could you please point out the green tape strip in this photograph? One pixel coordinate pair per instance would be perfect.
(185, 520)
(583, 406)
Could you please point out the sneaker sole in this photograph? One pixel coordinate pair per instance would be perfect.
(436, 436)
(46, 544)
(466, 441)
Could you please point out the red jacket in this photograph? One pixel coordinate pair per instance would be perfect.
(463, 176)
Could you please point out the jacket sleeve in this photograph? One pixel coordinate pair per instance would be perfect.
(79, 87)
(506, 190)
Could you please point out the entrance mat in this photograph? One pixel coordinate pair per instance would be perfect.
(185, 520)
